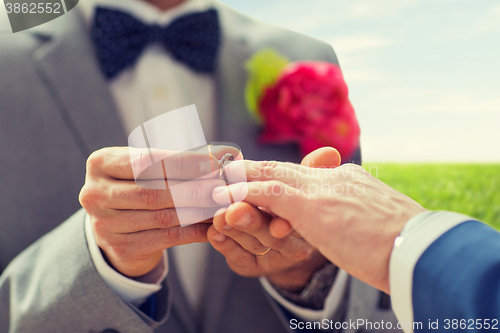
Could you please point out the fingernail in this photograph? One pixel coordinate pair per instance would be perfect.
(219, 190)
(227, 227)
(244, 221)
(219, 238)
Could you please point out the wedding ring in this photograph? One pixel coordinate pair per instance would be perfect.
(222, 164)
(225, 160)
(263, 253)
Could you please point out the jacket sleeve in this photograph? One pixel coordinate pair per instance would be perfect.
(445, 271)
(53, 286)
(457, 279)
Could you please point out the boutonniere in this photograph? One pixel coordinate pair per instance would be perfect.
(302, 102)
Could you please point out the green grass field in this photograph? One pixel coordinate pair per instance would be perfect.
(471, 189)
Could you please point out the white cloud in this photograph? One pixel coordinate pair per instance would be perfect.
(467, 104)
(421, 73)
(469, 24)
(422, 101)
(378, 9)
(433, 148)
(363, 75)
(361, 9)
(313, 16)
(356, 66)
(357, 43)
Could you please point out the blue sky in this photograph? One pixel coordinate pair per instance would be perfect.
(424, 75)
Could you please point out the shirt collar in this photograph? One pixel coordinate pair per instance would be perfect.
(143, 10)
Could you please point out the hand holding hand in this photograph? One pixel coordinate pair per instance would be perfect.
(351, 217)
(133, 224)
(243, 235)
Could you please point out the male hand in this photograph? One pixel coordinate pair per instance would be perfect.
(242, 234)
(133, 224)
(351, 217)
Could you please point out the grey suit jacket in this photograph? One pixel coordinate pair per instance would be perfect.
(55, 109)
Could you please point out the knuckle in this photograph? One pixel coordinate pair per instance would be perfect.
(173, 166)
(149, 197)
(267, 167)
(119, 250)
(100, 226)
(241, 269)
(276, 187)
(140, 160)
(241, 259)
(184, 166)
(198, 232)
(321, 203)
(196, 195)
(257, 247)
(183, 235)
(84, 197)
(353, 167)
(303, 253)
(95, 160)
(164, 218)
(279, 243)
(150, 242)
(179, 165)
(276, 183)
(173, 234)
(90, 195)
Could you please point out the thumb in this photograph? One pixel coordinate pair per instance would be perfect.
(326, 157)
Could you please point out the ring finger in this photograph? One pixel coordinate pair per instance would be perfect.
(246, 241)
(245, 219)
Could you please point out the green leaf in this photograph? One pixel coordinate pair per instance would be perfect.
(264, 69)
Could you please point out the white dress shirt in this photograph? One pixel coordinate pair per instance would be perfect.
(155, 85)
(417, 235)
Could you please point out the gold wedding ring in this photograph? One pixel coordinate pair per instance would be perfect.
(263, 253)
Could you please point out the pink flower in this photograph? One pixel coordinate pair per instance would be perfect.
(309, 105)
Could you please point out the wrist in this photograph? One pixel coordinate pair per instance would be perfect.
(133, 269)
(295, 279)
(413, 219)
(314, 294)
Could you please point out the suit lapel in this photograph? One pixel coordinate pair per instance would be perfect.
(230, 112)
(235, 126)
(234, 123)
(68, 65)
(219, 281)
(230, 79)
(180, 304)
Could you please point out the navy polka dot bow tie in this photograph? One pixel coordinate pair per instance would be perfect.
(120, 39)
